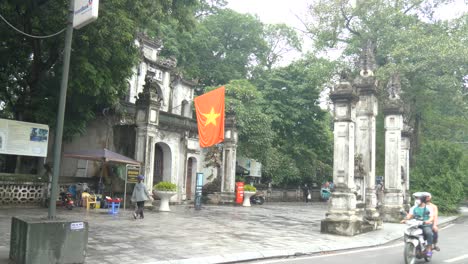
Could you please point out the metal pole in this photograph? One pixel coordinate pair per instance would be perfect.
(125, 188)
(61, 111)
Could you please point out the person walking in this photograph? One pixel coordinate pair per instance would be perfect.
(306, 192)
(140, 195)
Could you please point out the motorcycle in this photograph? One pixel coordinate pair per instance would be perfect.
(257, 198)
(65, 201)
(325, 193)
(415, 244)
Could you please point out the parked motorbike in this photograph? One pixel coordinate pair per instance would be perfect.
(415, 244)
(65, 201)
(325, 193)
(257, 198)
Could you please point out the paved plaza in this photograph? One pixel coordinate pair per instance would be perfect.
(215, 234)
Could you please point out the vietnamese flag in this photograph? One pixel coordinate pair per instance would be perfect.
(210, 117)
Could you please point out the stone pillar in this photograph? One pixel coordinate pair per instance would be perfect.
(393, 200)
(147, 120)
(405, 160)
(230, 147)
(341, 217)
(366, 111)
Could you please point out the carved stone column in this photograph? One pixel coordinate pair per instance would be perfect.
(405, 160)
(147, 120)
(230, 147)
(393, 201)
(341, 217)
(366, 111)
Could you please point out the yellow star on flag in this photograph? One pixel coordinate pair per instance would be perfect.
(211, 117)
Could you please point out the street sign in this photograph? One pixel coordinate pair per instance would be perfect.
(85, 12)
(198, 190)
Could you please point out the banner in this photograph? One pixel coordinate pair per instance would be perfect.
(210, 117)
(23, 138)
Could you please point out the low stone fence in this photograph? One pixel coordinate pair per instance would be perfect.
(271, 195)
(30, 190)
(290, 195)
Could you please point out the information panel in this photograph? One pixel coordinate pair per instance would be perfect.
(23, 138)
(132, 173)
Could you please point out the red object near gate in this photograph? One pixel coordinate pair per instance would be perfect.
(239, 192)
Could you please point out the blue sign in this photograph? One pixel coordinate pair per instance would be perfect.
(198, 190)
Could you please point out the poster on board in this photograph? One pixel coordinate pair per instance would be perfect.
(23, 138)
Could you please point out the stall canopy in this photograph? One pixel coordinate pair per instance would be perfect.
(103, 155)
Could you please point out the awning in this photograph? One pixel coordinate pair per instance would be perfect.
(103, 155)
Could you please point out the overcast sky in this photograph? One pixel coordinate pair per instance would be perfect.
(288, 11)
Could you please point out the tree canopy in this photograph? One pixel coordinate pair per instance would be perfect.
(430, 57)
(102, 57)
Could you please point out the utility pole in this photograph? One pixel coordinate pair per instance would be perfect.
(61, 113)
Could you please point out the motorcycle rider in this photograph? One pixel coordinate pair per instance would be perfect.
(423, 213)
(435, 228)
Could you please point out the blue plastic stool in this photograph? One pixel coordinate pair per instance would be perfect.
(114, 207)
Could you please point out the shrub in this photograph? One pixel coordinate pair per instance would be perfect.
(249, 188)
(212, 187)
(439, 171)
(166, 187)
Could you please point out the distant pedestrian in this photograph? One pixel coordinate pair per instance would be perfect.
(306, 193)
(140, 195)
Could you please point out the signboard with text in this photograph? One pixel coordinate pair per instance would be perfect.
(132, 173)
(85, 12)
(23, 138)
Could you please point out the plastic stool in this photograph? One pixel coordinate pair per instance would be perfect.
(114, 207)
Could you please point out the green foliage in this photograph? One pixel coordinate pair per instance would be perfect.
(165, 187)
(101, 61)
(212, 187)
(439, 170)
(253, 125)
(280, 39)
(429, 55)
(249, 188)
(302, 148)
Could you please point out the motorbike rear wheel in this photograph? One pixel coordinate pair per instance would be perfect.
(410, 253)
(260, 200)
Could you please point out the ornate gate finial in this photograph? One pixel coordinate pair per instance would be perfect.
(394, 87)
(367, 62)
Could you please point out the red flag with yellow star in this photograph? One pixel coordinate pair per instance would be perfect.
(210, 117)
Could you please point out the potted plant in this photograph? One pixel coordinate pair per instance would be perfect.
(249, 190)
(165, 190)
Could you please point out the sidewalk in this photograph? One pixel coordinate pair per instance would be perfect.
(215, 234)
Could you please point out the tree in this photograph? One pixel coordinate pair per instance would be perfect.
(280, 39)
(445, 178)
(429, 55)
(303, 136)
(253, 124)
(102, 57)
(224, 46)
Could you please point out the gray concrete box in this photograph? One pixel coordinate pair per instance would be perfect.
(41, 241)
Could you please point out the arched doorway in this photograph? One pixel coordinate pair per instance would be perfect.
(162, 163)
(191, 170)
